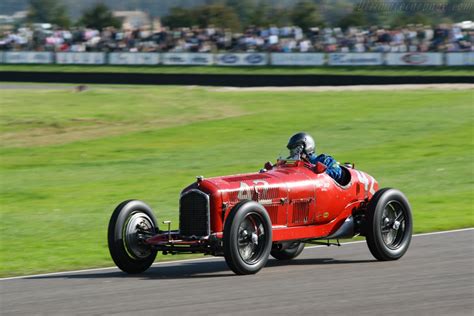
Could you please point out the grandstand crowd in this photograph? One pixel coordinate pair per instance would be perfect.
(415, 38)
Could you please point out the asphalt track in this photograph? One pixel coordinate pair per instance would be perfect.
(436, 277)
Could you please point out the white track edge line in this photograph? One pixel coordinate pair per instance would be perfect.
(209, 258)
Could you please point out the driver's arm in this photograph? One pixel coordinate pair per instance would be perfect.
(333, 168)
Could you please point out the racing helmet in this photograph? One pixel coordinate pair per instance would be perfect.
(302, 140)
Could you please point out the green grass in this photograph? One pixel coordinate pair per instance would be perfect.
(282, 70)
(67, 158)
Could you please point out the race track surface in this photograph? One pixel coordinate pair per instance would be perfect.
(436, 277)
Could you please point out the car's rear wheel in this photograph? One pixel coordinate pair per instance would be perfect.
(389, 225)
(131, 223)
(247, 238)
(291, 252)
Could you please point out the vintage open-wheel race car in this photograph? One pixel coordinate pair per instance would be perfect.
(247, 217)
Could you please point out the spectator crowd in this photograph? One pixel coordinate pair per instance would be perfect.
(415, 38)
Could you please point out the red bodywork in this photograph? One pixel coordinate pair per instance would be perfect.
(303, 202)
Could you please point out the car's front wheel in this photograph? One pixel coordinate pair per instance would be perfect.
(389, 225)
(131, 223)
(247, 238)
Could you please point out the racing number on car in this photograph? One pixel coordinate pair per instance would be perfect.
(264, 189)
(245, 192)
(368, 182)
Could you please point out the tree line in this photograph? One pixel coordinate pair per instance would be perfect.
(240, 14)
(55, 12)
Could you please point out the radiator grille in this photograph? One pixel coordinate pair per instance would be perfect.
(267, 193)
(194, 214)
(272, 211)
(300, 212)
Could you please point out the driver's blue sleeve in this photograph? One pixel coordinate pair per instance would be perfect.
(333, 168)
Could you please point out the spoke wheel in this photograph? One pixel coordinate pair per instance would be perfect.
(393, 224)
(389, 225)
(132, 222)
(251, 238)
(137, 228)
(247, 238)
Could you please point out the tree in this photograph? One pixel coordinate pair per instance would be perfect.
(99, 16)
(279, 16)
(403, 19)
(259, 16)
(336, 10)
(419, 12)
(377, 13)
(48, 11)
(244, 10)
(356, 18)
(460, 10)
(265, 15)
(218, 15)
(305, 14)
(179, 17)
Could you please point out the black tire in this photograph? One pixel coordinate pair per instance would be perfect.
(293, 251)
(129, 253)
(247, 238)
(389, 225)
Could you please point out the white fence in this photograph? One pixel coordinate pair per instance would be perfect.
(460, 59)
(187, 59)
(414, 59)
(297, 59)
(81, 58)
(134, 58)
(355, 59)
(28, 58)
(241, 59)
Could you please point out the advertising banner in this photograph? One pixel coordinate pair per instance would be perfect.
(80, 58)
(460, 59)
(297, 59)
(134, 58)
(414, 59)
(355, 59)
(187, 58)
(28, 57)
(245, 59)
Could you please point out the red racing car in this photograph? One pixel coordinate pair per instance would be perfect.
(248, 217)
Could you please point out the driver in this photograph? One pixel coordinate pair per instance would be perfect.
(303, 145)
